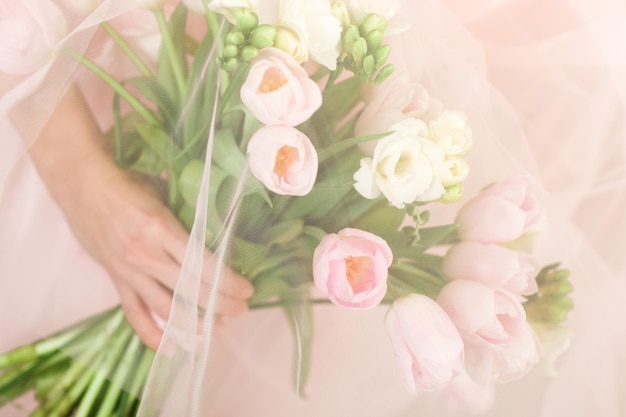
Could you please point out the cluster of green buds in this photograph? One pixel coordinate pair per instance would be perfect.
(363, 51)
(243, 42)
(551, 303)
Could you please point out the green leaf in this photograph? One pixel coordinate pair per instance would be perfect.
(284, 232)
(155, 91)
(431, 236)
(380, 218)
(226, 153)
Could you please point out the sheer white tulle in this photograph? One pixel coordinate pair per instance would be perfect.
(544, 88)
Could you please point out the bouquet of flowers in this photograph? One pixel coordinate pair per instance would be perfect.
(313, 168)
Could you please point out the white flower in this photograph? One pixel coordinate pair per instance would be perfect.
(453, 171)
(451, 131)
(361, 8)
(226, 7)
(313, 22)
(405, 166)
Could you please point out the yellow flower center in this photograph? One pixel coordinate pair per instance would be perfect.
(356, 270)
(284, 158)
(273, 79)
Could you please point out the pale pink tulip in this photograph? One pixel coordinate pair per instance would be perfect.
(30, 30)
(278, 90)
(426, 344)
(351, 268)
(492, 265)
(390, 102)
(499, 343)
(501, 213)
(283, 159)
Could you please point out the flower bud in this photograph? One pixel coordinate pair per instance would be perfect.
(230, 51)
(381, 54)
(369, 66)
(340, 11)
(452, 194)
(248, 53)
(384, 72)
(247, 20)
(359, 50)
(549, 311)
(263, 36)
(235, 38)
(373, 22)
(350, 37)
(374, 39)
(230, 64)
(287, 40)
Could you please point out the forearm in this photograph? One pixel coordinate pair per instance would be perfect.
(71, 151)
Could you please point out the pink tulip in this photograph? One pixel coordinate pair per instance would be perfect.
(426, 344)
(499, 344)
(501, 213)
(30, 30)
(351, 267)
(492, 265)
(283, 159)
(278, 90)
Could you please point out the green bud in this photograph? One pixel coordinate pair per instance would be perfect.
(374, 39)
(359, 50)
(263, 36)
(369, 66)
(248, 53)
(453, 193)
(230, 51)
(373, 22)
(384, 72)
(247, 20)
(235, 38)
(350, 37)
(381, 54)
(555, 289)
(230, 64)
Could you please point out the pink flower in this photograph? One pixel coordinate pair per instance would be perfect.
(492, 265)
(30, 30)
(499, 344)
(426, 344)
(278, 90)
(283, 159)
(390, 102)
(351, 268)
(501, 213)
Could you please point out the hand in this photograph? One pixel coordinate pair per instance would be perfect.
(120, 219)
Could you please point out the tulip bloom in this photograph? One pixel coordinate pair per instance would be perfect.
(492, 265)
(351, 268)
(426, 344)
(278, 90)
(501, 213)
(283, 159)
(500, 345)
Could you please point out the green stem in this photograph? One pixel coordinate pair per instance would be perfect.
(120, 377)
(333, 76)
(170, 50)
(235, 83)
(138, 384)
(347, 144)
(119, 342)
(288, 301)
(116, 86)
(126, 48)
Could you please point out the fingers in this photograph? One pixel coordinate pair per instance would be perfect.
(138, 317)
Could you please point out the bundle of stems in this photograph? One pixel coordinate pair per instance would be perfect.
(97, 367)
